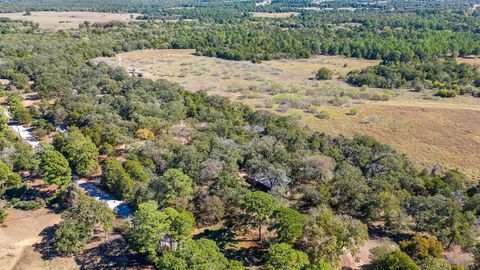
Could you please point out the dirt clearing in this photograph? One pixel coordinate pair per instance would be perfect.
(53, 20)
(21, 230)
(274, 14)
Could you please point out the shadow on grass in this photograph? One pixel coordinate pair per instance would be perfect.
(380, 232)
(111, 254)
(229, 245)
(46, 247)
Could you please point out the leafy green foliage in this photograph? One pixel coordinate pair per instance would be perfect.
(80, 151)
(288, 224)
(116, 178)
(435, 264)
(149, 228)
(153, 230)
(55, 168)
(422, 246)
(8, 178)
(259, 207)
(3, 120)
(283, 256)
(197, 254)
(205, 143)
(444, 218)
(445, 76)
(28, 205)
(396, 260)
(172, 187)
(181, 224)
(323, 74)
(3, 214)
(79, 222)
(71, 237)
(136, 171)
(326, 236)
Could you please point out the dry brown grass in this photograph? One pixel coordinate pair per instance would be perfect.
(471, 61)
(274, 14)
(428, 134)
(364, 256)
(53, 20)
(430, 131)
(206, 73)
(21, 230)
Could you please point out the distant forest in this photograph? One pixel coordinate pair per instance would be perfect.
(190, 160)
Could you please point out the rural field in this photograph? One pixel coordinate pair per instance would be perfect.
(27, 245)
(428, 129)
(18, 234)
(52, 20)
(274, 14)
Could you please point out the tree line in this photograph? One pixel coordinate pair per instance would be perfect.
(179, 159)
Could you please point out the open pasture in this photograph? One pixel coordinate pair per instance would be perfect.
(429, 133)
(274, 14)
(218, 75)
(53, 20)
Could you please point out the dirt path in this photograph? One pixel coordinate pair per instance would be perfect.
(363, 257)
(21, 230)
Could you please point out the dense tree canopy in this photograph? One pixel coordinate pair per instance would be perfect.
(8, 178)
(79, 223)
(284, 257)
(55, 168)
(197, 254)
(182, 158)
(79, 150)
(116, 178)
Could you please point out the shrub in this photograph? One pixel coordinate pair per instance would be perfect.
(436, 264)
(364, 88)
(22, 115)
(323, 115)
(396, 260)
(476, 93)
(29, 205)
(381, 251)
(3, 214)
(339, 100)
(283, 256)
(353, 111)
(290, 100)
(371, 119)
(457, 267)
(324, 74)
(80, 223)
(107, 149)
(379, 96)
(144, 134)
(446, 93)
(422, 246)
